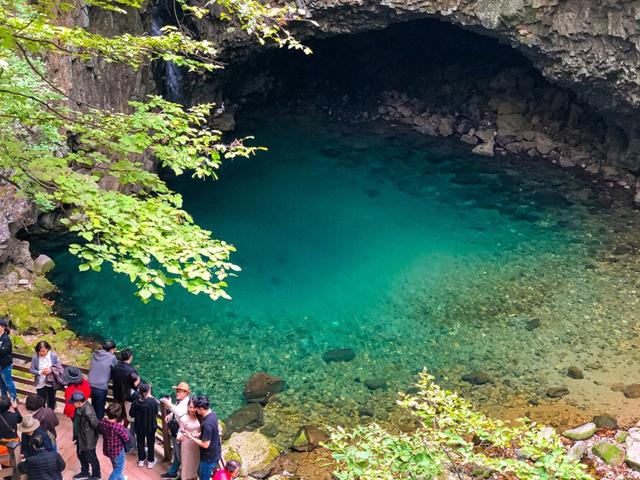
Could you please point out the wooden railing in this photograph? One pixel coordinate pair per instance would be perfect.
(23, 379)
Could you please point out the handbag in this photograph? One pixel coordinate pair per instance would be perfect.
(174, 426)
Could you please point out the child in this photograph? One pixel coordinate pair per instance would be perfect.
(114, 440)
(231, 470)
(144, 411)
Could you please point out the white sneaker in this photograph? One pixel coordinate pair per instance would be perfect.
(141, 463)
(152, 464)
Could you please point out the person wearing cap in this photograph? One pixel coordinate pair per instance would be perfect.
(102, 363)
(144, 411)
(176, 412)
(75, 383)
(85, 435)
(43, 464)
(7, 387)
(29, 427)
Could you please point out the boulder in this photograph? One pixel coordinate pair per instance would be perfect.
(633, 456)
(605, 421)
(511, 127)
(621, 436)
(484, 149)
(262, 386)
(339, 355)
(557, 392)
(254, 451)
(575, 373)
(632, 391)
(470, 139)
(445, 127)
(309, 438)
(581, 433)
(544, 144)
(610, 453)
(249, 417)
(577, 451)
(486, 135)
(476, 377)
(43, 264)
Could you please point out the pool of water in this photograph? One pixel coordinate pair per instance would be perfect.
(412, 253)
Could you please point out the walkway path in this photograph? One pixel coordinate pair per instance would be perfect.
(67, 449)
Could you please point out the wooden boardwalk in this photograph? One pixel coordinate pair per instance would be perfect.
(67, 449)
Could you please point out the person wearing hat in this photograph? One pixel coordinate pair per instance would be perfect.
(177, 411)
(43, 464)
(29, 427)
(144, 411)
(75, 383)
(85, 435)
(7, 387)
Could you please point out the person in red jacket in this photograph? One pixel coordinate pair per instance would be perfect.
(75, 383)
(230, 471)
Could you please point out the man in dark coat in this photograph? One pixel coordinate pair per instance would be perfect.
(85, 434)
(43, 465)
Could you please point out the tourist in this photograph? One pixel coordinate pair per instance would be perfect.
(189, 450)
(28, 428)
(177, 411)
(125, 380)
(47, 417)
(209, 441)
(102, 363)
(85, 435)
(10, 417)
(114, 440)
(7, 387)
(144, 412)
(43, 464)
(43, 363)
(230, 470)
(75, 382)
(125, 377)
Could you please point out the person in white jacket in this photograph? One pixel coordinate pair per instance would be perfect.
(177, 410)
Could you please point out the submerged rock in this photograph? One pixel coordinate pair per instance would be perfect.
(632, 391)
(533, 324)
(575, 373)
(376, 383)
(581, 433)
(261, 387)
(557, 392)
(633, 456)
(309, 438)
(249, 417)
(339, 355)
(477, 377)
(610, 453)
(605, 421)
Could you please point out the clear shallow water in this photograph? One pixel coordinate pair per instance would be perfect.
(412, 254)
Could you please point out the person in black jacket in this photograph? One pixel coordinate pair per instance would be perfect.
(144, 411)
(43, 465)
(7, 387)
(85, 434)
(124, 377)
(10, 417)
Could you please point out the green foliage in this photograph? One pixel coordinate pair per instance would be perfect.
(452, 437)
(90, 162)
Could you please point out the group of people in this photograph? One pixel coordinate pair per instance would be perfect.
(127, 425)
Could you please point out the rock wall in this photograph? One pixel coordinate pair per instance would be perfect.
(588, 47)
(95, 83)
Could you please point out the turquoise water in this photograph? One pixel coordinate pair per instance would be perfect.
(409, 252)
